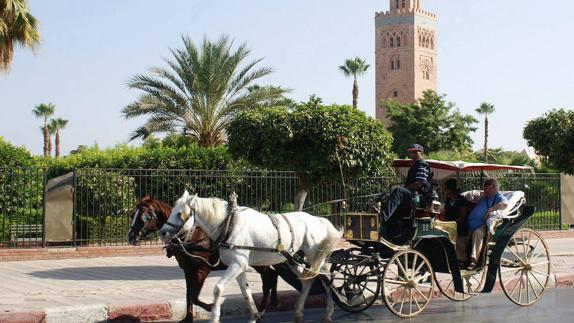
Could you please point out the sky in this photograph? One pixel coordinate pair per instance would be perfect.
(515, 54)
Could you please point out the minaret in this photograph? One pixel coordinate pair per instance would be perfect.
(406, 53)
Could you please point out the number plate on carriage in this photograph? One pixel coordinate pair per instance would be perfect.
(362, 226)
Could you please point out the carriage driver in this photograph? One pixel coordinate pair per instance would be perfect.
(418, 182)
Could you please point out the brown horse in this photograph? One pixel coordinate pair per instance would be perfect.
(151, 214)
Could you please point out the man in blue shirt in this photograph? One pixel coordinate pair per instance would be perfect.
(418, 182)
(490, 202)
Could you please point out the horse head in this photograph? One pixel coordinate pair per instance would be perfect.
(150, 214)
(181, 214)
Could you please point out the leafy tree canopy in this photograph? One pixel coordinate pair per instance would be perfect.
(431, 122)
(311, 139)
(552, 136)
(12, 156)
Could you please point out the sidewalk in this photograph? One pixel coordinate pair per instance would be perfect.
(146, 287)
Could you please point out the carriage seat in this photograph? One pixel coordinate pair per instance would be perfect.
(516, 199)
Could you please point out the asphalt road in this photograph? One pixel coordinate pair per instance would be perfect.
(556, 306)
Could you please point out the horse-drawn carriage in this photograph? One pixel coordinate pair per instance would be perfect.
(407, 274)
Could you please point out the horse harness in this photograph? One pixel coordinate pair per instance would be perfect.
(221, 242)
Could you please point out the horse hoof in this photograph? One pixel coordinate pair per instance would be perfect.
(326, 320)
(298, 319)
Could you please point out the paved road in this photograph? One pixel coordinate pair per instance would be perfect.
(555, 307)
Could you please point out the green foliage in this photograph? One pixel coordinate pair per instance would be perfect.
(12, 156)
(552, 136)
(430, 122)
(452, 155)
(159, 157)
(308, 139)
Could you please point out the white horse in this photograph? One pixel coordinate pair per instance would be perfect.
(315, 236)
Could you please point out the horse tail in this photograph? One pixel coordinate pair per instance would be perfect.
(323, 250)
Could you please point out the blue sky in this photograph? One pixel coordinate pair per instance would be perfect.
(515, 54)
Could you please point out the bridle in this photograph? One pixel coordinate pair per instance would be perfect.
(147, 217)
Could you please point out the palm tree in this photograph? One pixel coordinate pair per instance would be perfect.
(17, 27)
(202, 91)
(57, 125)
(485, 109)
(45, 111)
(355, 67)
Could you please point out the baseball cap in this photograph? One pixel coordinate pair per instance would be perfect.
(416, 147)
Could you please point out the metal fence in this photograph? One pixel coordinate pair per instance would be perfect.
(104, 199)
(21, 207)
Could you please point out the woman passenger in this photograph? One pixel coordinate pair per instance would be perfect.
(456, 208)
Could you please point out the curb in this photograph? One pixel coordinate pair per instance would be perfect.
(174, 310)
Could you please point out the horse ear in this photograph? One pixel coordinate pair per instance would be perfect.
(185, 195)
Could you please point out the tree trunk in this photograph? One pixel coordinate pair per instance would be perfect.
(355, 93)
(57, 143)
(301, 195)
(486, 139)
(46, 138)
(50, 145)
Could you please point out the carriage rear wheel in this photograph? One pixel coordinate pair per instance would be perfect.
(524, 270)
(356, 279)
(408, 283)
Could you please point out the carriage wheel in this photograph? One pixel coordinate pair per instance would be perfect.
(356, 280)
(407, 283)
(524, 269)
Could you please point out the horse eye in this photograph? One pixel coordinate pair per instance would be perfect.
(146, 217)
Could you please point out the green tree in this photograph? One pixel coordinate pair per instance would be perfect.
(45, 111)
(202, 91)
(354, 67)
(13, 157)
(485, 109)
(17, 27)
(317, 142)
(57, 125)
(430, 122)
(552, 136)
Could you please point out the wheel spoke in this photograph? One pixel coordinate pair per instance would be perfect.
(391, 281)
(400, 266)
(520, 291)
(538, 281)
(533, 289)
(421, 293)
(515, 255)
(410, 301)
(418, 279)
(534, 248)
(414, 265)
(541, 273)
(540, 263)
(402, 300)
(515, 285)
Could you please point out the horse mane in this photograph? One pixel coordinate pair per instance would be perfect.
(211, 208)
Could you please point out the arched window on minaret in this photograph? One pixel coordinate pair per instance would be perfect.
(392, 64)
(398, 64)
(404, 3)
(392, 41)
(397, 2)
(398, 41)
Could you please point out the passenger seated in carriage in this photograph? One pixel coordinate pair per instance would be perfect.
(456, 208)
(418, 183)
(491, 201)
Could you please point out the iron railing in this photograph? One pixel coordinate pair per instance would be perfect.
(104, 199)
(21, 207)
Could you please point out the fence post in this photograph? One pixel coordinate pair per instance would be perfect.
(74, 211)
(44, 193)
(560, 196)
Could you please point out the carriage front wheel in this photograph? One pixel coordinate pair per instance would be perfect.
(524, 270)
(356, 280)
(408, 283)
